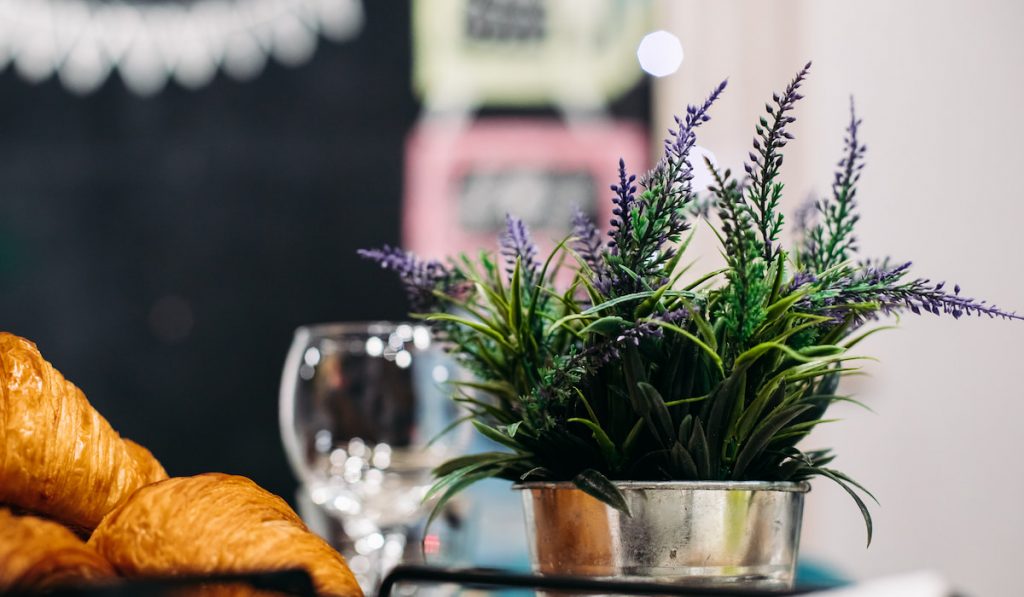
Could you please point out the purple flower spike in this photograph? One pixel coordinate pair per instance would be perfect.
(766, 159)
(935, 300)
(587, 243)
(515, 244)
(881, 284)
(681, 141)
(419, 277)
(625, 197)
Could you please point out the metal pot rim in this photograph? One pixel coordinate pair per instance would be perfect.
(784, 486)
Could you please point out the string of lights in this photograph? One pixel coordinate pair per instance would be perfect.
(149, 43)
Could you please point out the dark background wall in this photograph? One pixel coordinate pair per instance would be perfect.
(162, 250)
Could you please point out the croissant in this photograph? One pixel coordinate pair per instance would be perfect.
(58, 456)
(216, 523)
(37, 554)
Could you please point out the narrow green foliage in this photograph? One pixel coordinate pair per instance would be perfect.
(830, 242)
(741, 308)
(765, 190)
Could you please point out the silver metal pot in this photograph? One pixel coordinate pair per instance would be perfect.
(700, 533)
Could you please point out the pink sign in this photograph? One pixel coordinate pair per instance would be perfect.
(461, 181)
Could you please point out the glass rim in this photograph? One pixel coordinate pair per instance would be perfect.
(369, 326)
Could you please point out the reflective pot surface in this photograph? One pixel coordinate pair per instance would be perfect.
(700, 533)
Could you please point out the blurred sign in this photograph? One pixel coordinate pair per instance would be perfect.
(461, 181)
(541, 197)
(526, 52)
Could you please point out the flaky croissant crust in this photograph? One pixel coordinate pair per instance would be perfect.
(214, 523)
(37, 554)
(58, 456)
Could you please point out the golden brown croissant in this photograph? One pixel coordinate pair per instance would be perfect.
(37, 554)
(216, 523)
(58, 456)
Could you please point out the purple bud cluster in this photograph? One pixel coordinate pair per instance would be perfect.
(805, 216)
(643, 225)
(681, 140)
(934, 299)
(801, 279)
(848, 172)
(625, 197)
(881, 284)
(766, 159)
(675, 316)
(768, 140)
(419, 277)
(610, 350)
(515, 243)
(833, 241)
(588, 245)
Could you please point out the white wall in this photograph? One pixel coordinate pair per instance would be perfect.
(940, 84)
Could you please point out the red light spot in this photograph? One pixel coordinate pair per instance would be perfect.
(431, 544)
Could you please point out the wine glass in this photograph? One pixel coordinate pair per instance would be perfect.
(362, 406)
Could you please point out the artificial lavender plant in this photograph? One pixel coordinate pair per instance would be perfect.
(642, 370)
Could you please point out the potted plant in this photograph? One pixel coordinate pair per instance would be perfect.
(652, 415)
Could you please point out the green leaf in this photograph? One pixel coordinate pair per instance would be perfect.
(749, 357)
(544, 275)
(829, 384)
(597, 485)
(806, 425)
(537, 471)
(498, 388)
(457, 487)
(631, 437)
(672, 403)
(817, 370)
(685, 427)
(609, 326)
(721, 404)
(706, 331)
(779, 269)
(647, 307)
(455, 464)
(496, 436)
(629, 272)
(495, 298)
(858, 339)
(706, 277)
(788, 469)
(515, 303)
(763, 434)
(831, 474)
(483, 328)
(489, 461)
(460, 304)
(830, 398)
(698, 447)
(682, 462)
(846, 478)
(447, 429)
(608, 450)
(771, 393)
(779, 307)
(626, 298)
(653, 408)
(717, 360)
(604, 306)
(513, 428)
(816, 352)
(498, 414)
